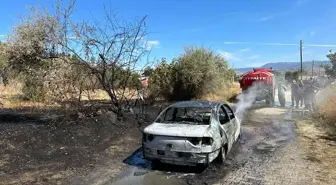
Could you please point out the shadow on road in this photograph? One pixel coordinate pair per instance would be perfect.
(138, 160)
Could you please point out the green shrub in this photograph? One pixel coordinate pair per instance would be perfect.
(197, 72)
(33, 88)
(161, 80)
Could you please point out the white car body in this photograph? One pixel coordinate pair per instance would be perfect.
(191, 143)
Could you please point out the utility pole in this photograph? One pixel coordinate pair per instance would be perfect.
(301, 57)
(313, 68)
(319, 71)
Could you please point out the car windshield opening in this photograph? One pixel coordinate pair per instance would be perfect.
(186, 115)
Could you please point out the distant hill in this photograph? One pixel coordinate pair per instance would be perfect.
(244, 69)
(285, 66)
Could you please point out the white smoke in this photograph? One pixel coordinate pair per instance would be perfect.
(246, 100)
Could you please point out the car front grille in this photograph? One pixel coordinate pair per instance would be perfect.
(184, 154)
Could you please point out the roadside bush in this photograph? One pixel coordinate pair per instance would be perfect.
(65, 81)
(33, 88)
(326, 109)
(198, 72)
(161, 80)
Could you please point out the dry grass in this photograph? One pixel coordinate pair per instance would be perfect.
(12, 98)
(319, 149)
(95, 95)
(327, 109)
(224, 93)
(14, 89)
(99, 94)
(319, 134)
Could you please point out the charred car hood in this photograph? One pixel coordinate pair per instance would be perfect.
(176, 129)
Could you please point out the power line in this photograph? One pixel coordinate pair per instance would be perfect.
(313, 68)
(281, 44)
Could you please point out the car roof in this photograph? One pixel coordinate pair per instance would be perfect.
(197, 103)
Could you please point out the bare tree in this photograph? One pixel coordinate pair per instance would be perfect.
(117, 47)
(111, 49)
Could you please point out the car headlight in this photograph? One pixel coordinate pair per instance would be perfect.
(150, 137)
(195, 140)
(207, 141)
(147, 137)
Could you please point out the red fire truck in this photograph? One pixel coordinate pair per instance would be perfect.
(262, 80)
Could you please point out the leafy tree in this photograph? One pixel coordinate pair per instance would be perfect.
(3, 61)
(4, 68)
(292, 75)
(3, 58)
(162, 79)
(288, 76)
(330, 70)
(147, 71)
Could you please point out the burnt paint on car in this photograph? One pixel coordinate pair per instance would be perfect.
(180, 141)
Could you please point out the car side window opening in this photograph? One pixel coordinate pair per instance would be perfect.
(173, 114)
(223, 116)
(168, 115)
(229, 111)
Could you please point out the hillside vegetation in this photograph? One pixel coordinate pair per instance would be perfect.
(326, 100)
(51, 69)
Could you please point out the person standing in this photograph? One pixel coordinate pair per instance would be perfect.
(294, 93)
(306, 95)
(309, 94)
(314, 88)
(281, 94)
(301, 93)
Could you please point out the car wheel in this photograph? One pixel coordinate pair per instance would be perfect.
(156, 163)
(222, 155)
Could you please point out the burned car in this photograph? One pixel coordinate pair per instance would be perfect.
(191, 132)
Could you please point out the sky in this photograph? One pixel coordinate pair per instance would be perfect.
(246, 32)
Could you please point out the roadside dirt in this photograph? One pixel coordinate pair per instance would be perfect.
(321, 149)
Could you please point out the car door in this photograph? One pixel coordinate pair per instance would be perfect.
(234, 122)
(226, 125)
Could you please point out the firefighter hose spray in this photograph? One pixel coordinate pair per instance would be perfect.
(246, 100)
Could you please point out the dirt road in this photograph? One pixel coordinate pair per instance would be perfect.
(268, 153)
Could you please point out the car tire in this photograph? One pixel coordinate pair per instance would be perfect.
(156, 163)
(222, 155)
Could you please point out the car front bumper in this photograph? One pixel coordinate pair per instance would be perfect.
(179, 158)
